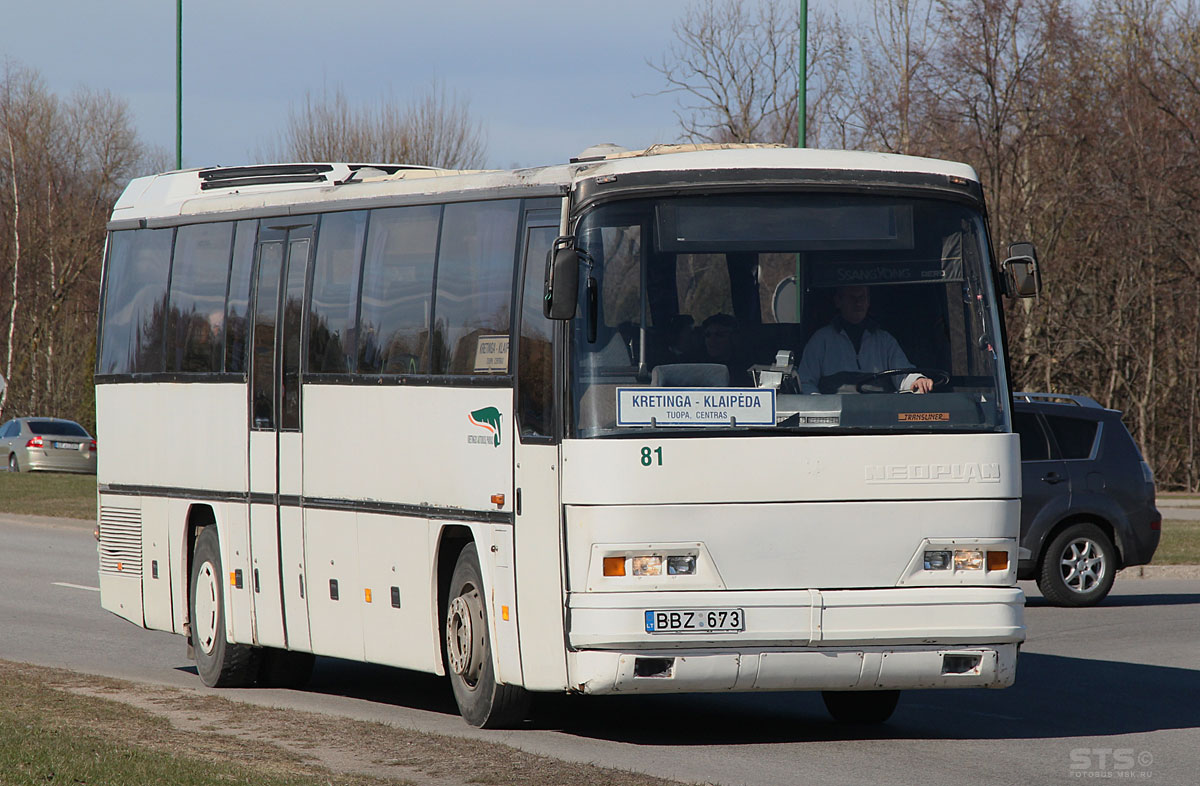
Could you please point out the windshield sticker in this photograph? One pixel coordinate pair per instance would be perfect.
(924, 417)
(491, 355)
(695, 407)
(487, 419)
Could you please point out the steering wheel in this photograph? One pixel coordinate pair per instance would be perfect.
(938, 376)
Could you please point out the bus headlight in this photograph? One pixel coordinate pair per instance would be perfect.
(681, 566)
(641, 567)
(646, 566)
(937, 560)
(968, 559)
(939, 563)
(650, 565)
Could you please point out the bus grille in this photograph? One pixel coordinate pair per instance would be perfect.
(121, 541)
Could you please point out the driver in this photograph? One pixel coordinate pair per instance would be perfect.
(855, 343)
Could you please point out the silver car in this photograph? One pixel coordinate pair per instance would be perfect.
(54, 444)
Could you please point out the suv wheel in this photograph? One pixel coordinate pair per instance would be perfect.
(1079, 566)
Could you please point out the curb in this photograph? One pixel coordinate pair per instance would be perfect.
(47, 521)
(1160, 572)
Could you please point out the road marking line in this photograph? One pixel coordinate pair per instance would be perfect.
(74, 586)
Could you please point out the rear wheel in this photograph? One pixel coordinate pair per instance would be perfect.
(13, 465)
(1079, 567)
(481, 700)
(221, 664)
(865, 706)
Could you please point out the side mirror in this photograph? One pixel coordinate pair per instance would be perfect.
(561, 289)
(1022, 273)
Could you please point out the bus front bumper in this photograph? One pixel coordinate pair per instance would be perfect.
(838, 669)
(865, 639)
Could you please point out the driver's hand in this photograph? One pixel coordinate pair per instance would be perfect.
(922, 385)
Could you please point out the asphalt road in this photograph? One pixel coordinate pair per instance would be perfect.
(1110, 693)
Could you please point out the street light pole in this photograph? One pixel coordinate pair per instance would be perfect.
(802, 93)
(179, 84)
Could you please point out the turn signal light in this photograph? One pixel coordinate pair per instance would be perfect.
(997, 560)
(614, 566)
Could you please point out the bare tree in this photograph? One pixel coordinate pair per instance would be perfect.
(434, 130)
(64, 162)
(734, 65)
(1083, 121)
(889, 82)
(16, 257)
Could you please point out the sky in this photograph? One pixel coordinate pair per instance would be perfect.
(545, 78)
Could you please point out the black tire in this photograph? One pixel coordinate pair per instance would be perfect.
(862, 706)
(466, 645)
(219, 663)
(13, 464)
(1078, 567)
(284, 668)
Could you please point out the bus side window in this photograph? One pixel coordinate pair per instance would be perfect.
(135, 301)
(266, 306)
(474, 281)
(397, 289)
(196, 303)
(237, 303)
(333, 307)
(535, 362)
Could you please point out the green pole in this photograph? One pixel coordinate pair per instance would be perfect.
(179, 84)
(802, 94)
(802, 117)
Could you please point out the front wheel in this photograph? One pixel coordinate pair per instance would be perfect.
(1079, 566)
(863, 706)
(220, 663)
(482, 701)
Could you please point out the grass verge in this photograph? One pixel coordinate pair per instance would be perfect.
(49, 735)
(59, 727)
(48, 494)
(1180, 543)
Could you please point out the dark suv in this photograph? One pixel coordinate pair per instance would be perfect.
(1087, 503)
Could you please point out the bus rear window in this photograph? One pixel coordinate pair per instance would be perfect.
(56, 428)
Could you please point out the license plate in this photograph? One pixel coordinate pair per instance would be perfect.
(67, 445)
(696, 621)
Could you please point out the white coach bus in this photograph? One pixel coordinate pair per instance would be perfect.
(585, 427)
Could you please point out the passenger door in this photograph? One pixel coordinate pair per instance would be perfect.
(276, 437)
(535, 473)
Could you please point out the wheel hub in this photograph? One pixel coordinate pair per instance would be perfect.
(464, 636)
(207, 599)
(1083, 565)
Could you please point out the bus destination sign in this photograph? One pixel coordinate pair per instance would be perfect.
(695, 407)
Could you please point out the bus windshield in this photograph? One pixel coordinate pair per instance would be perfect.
(785, 314)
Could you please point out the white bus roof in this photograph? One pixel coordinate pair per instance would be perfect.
(332, 185)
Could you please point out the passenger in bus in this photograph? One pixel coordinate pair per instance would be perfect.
(681, 344)
(720, 345)
(852, 347)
